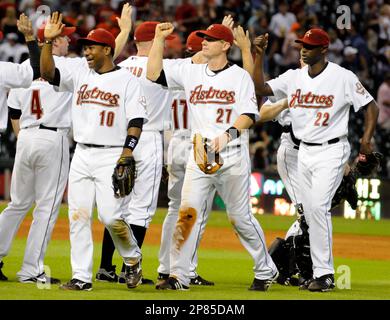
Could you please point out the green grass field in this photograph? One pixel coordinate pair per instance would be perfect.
(231, 271)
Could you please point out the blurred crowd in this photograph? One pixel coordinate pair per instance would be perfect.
(362, 46)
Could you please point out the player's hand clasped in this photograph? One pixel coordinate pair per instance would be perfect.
(124, 176)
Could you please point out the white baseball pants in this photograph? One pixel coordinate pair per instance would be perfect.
(89, 182)
(39, 175)
(320, 171)
(178, 152)
(232, 182)
(143, 199)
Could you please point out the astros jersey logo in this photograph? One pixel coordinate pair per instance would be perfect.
(310, 100)
(211, 95)
(96, 96)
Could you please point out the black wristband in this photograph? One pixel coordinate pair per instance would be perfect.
(233, 132)
(131, 142)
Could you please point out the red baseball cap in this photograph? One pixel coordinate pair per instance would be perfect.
(315, 37)
(217, 31)
(65, 32)
(146, 31)
(194, 43)
(99, 36)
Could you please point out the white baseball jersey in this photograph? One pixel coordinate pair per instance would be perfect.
(316, 102)
(12, 76)
(215, 103)
(157, 98)
(102, 103)
(41, 104)
(180, 113)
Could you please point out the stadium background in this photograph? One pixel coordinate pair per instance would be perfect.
(361, 245)
(364, 49)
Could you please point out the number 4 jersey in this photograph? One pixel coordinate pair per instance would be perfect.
(41, 104)
(319, 106)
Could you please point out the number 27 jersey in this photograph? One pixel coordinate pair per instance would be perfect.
(215, 100)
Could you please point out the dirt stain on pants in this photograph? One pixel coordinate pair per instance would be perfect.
(184, 225)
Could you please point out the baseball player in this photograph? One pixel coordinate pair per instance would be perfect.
(178, 152)
(179, 149)
(319, 96)
(41, 165)
(220, 111)
(107, 103)
(14, 76)
(148, 155)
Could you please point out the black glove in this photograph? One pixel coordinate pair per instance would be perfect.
(346, 190)
(123, 177)
(368, 163)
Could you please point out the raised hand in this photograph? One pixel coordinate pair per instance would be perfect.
(54, 26)
(228, 21)
(125, 22)
(24, 25)
(163, 30)
(241, 38)
(261, 43)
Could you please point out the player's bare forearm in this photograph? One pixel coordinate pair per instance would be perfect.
(155, 60)
(262, 89)
(243, 122)
(247, 61)
(15, 126)
(242, 41)
(271, 111)
(125, 24)
(120, 42)
(53, 29)
(370, 120)
(47, 65)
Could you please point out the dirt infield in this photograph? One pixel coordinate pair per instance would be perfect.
(344, 245)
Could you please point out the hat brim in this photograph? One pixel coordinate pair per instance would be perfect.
(86, 41)
(203, 34)
(68, 31)
(301, 41)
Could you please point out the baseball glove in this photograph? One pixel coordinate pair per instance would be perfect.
(368, 163)
(123, 177)
(346, 190)
(207, 161)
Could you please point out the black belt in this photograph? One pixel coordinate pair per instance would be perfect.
(288, 129)
(89, 145)
(331, 141)
(41, 126)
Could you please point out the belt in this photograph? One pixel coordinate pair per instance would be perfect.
(288, 129)
(41, 126)
(89, 145)
(331, 141)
